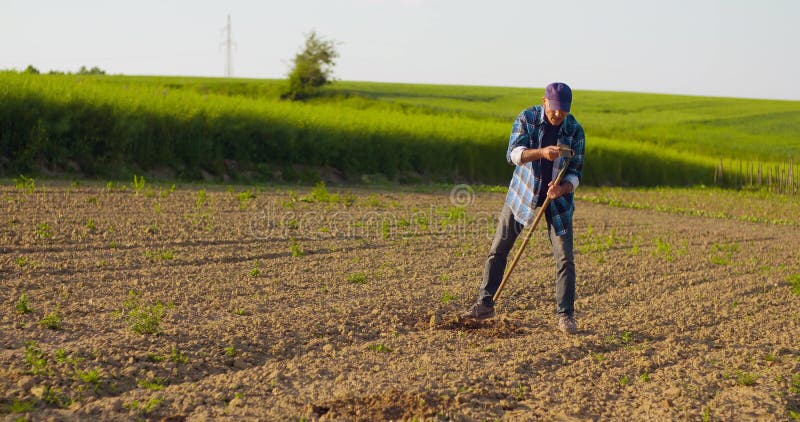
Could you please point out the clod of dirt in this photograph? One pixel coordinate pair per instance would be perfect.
(436, 320)
(457, 323)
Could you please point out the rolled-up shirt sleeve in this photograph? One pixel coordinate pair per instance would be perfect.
(573, 180)
(575, 169)
(519, 136)
(516, 155)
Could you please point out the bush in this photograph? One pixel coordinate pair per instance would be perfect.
(312, 67)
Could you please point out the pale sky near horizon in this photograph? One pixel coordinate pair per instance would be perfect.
(731, 48)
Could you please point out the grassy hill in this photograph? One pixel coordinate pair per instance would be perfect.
(114, 126)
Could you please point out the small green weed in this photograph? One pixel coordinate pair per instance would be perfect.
(664, 249)
(380, 348)
(146, 319)
(55, 397)
(152, 357)
(240, 311)
(22, 306)
(455, 214)
(745, 379)
(423, 223)
(320, 194)
(143, 319)
(43, 231)
(256, 270)
(202, 199)
(644, 377)
(178, 357)
(626, 337)
(722, 253)
(153, 384)
(635, 250)
(91, 377)
(597, 243)
(296, 249)
(229, 351)
(35, 358)
(163, 255)
(60, 355)
(624, 380)
(19, 406)
(51, 321)
(519, 392)
(138, 183)
(289, 203)
(23, 262)
(91, 226)
(386, 229)
(706, 414)
(202, 215)
(357, 278)
(245, 198)
(795, 387)
(447, 297)
(373, 201)
(25, 184)
(144, 408)
(794, 282)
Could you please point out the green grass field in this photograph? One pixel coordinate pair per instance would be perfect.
(115, 126)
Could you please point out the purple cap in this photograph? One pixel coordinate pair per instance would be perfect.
(559, 95)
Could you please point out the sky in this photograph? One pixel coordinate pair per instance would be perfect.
(730, 48)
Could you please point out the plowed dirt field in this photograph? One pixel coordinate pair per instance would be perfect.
(159, 303)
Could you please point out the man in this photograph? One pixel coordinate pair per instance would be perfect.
(534, 149)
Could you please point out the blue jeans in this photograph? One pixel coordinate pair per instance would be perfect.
(508, 229)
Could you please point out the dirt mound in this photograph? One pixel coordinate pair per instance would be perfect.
(389, 405)
(491, 328)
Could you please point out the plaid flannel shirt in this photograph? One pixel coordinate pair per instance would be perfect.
(523, 190)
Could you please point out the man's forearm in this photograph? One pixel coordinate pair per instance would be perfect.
(531, 154)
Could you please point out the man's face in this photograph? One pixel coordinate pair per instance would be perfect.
(555, 117)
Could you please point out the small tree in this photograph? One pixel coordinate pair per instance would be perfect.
(32, 70)
(312, 67)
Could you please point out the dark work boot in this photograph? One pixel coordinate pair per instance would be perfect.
(566, 323)
(479, 311)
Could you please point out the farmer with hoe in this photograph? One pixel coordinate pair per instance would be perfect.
(538, 139)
